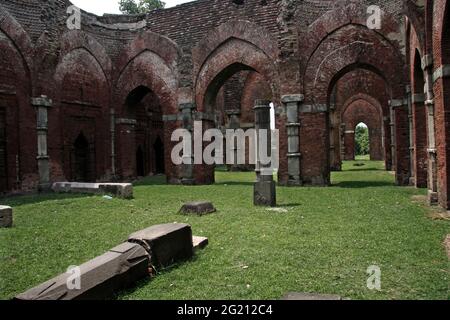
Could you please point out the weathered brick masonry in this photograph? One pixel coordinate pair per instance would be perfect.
(101, 103)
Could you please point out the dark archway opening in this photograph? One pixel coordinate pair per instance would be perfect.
(231, 98)
(81, 160)
(144, 106)
(158, 149)
(140, 165)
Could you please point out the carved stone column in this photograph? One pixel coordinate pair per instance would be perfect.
(187, 170)
(292, 103)
(112, 117)
(392, 126)
(42, 104)
(427, 66)
(264, 188)
(234, 123)
(412, 175)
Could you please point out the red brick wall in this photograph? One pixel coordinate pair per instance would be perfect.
(441, 52)
(186, 54)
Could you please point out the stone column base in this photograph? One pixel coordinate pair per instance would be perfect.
(433, 198)
(187, 182)
(265, 194)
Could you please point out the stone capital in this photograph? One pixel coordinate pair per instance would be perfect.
(292, 98)
(442, 72)
(183, 106)
(42, 101)
(130, 122)
(260, 104)
(233, 112)
(397, 103)
(427, 61)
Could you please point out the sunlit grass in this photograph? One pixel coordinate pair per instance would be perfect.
(322, 241)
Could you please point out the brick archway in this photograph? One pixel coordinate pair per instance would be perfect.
(227, 50)
(346, 48)
(81, 105)
(144, 64)
(17, 130)
(357, 111)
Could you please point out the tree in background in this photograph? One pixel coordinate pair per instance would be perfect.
(362, 146)
(140, 6)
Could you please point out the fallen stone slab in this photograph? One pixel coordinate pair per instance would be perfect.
(166, 244)
(6, 217)
(121, 190)
(298, 296)
(99, 279)
(199, 208)
(199, 242)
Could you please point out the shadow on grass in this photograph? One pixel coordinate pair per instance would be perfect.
(27, 199)
(362, 184)
(147, 281)
(235, 183)
(361, 169)
(158, 180)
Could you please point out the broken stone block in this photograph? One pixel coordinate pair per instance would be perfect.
(166, 244)
(310, 297)
(6, 217)
(198, 208)
(199, 242)
(99, 279)
(121, 190)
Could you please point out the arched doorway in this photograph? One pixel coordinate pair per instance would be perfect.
(81, 162)
(143, 131)
(235, 114)
(362, 142)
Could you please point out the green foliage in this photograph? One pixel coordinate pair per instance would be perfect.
(362, 144)
(142, 6)
(322, 239)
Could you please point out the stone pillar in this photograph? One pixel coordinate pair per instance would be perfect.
(342, 140)
(42, 104)
(264, 188)
(292, 103)
(349, 142)
(113, 143)
(427, 66)
(387, 143)
(187, 170)
(401, 145)
(234, 123)
(412, 175)
(392, 126)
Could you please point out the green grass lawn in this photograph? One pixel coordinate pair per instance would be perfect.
(323, 240)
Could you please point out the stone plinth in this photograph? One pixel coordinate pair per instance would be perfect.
(121, 190)
(6, 217)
